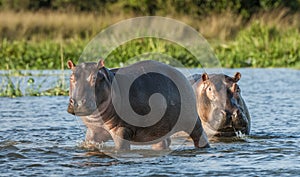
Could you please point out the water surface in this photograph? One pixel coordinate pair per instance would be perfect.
(39, 138)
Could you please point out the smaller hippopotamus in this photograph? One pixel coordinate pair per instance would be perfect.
(144, 103)
(220, 105)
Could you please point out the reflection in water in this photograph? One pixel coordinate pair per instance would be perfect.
(38, 137)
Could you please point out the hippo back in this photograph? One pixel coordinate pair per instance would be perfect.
(154, 97)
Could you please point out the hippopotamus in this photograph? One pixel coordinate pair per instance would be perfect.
(143, 103)
(220, 105)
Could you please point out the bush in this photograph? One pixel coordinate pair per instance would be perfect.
(261, 46)
(38, 55)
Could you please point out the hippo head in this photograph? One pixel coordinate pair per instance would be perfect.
(88, 87)
(220, 105)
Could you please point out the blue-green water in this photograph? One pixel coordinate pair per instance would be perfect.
(39, 138)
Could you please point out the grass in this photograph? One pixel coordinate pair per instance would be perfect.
(255, 46)
(36, 40)
(45, 40)
(8, 88)
(261, 46)
(16, 55)
(38, 26)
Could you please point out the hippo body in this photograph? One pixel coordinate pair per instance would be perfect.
(220, 105)
(139, 104)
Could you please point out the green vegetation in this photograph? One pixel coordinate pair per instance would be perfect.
(8, 88)
(260, 46)
(151, 7)
(46, 54)
(255, 46)
(45, 34)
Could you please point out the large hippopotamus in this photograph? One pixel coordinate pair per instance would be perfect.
(144, 103)
(220, 105)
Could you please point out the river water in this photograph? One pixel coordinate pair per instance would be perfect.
(39, 138)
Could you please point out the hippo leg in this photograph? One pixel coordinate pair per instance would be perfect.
(122, 137)
(97, 135)
(199, 136)
(164, 144)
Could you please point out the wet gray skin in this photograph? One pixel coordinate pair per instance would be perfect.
(92, 97)
(82, 89)
(220, 105)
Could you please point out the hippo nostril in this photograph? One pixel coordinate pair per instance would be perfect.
(236, 113)
(71, 101)
(223, 113)
(74, 103)
(81, 102)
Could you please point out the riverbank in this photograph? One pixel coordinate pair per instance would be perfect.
(42, 40)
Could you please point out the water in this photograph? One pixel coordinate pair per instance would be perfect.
(39, 138)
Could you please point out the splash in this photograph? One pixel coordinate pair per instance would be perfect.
(239, 134)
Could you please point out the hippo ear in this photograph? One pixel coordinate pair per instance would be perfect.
(100, 64)
(237, 76)
(204, 77)
(70, 64)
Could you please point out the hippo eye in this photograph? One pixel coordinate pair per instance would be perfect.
(93, 78)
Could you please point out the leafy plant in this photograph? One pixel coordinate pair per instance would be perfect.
(9, 89)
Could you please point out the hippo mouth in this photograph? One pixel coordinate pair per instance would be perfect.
(71, 109)
(80, 112)
(224, 132)
(84, 113)
(230, 132)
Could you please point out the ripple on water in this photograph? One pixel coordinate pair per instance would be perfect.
(38, 137)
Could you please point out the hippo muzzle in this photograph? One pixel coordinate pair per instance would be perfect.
(71, 108)
(231, 123)
(81, 107)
